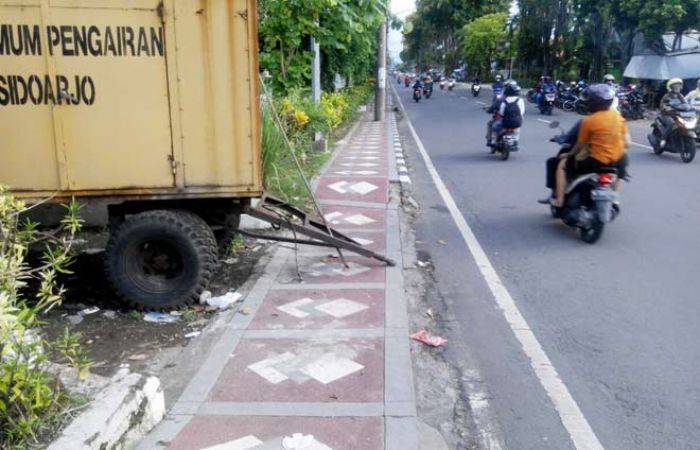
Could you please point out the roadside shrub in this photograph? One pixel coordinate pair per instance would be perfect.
(31, 398)
(301, 119)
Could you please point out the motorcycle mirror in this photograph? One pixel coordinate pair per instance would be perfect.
(554, 125)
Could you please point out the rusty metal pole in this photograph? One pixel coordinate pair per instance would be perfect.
(380, 89)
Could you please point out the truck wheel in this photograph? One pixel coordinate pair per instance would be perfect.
(161, 259)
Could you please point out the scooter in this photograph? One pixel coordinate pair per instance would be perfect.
(476, 88)
(442, 84)
(417, 94)
(681, 138)
(507, 141)
(450, 84)
(427, 91)
(590, 200)
(547, 103)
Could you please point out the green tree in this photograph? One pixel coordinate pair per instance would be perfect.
(483, 40)
(345, 29)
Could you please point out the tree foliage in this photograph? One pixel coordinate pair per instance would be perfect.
(566, 38)
(483, 40)
(346, 31)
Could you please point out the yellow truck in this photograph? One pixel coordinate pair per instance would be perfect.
(147, 112)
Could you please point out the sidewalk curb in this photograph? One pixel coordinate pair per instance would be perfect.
(117, 417)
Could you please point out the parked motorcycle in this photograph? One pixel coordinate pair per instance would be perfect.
(681, 138)
(589, 202)
(417, 94)
(476, 88)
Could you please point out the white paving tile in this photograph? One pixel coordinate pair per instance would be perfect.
(331, 367)
(244, 443)
(341, 308)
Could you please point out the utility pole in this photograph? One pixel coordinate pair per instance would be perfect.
(380, 89)
(316, 72)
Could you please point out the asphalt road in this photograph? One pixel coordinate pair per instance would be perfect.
(618, 319)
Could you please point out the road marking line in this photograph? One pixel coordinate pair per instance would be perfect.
(649, 147)
(545, 121)
(572, 418)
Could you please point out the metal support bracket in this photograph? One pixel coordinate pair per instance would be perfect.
(283, 215)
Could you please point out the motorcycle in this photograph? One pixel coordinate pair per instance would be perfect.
(427, 91)
(476, 88)
(406, 81)
(417, 94)
(442, 84)
(589, 201)
(507, 142)
(547, 103)
(681, 138)
(450, 84)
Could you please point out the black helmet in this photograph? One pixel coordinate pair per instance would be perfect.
(511, 89)
(599, 97)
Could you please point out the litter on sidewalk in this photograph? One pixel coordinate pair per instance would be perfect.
(156, 317)
(424, 337)
(222, 302)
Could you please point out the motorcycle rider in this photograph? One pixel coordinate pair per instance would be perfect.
(668, 112)
(497, 84)
(602, 141)
(509, 112)
(693, 96)
(609, 79)
(546, 85)
(428, 83)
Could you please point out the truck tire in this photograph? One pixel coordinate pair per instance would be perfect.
(161, 259)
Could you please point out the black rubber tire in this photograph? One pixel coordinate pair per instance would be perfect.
(593, 234)
(190, 254)
(505, 153)
(688, 151)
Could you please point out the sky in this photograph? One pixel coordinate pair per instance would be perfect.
(400, 8)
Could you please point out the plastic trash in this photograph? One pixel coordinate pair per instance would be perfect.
(157, 317)
(88, 311)
(204, 297)
(424, 337)
(192, 334)
(299, 441)
(224, 301)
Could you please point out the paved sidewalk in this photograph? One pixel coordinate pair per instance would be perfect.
(325, 362)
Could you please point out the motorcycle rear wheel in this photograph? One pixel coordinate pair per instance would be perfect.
(593, 234)
(505, 153)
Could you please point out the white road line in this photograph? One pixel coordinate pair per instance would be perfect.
(649, 147)
(579, 429)
(545, 121)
